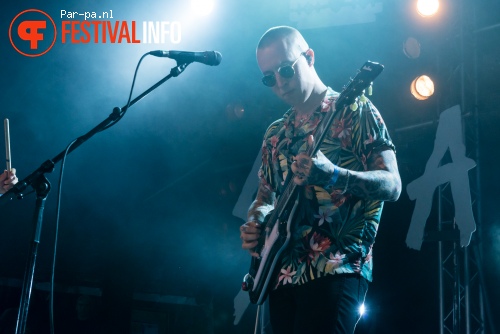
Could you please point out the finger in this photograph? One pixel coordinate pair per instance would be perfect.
(300, 156)
(9, 182)
(250, 235)
(301, 175)
(249, 245)
(310, 140)
(253, 223)
(250, 228)
(8, 177)
(299, 180)
(250, 232)
(304, 164)
(303, 160)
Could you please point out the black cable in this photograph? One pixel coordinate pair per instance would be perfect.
(58, 209)
(52, 285)
(122, 112)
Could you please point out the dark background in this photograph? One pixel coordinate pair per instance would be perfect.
(147, 205)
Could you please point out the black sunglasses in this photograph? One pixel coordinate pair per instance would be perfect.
(285, 71)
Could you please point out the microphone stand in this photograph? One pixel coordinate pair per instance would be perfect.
(41, 185)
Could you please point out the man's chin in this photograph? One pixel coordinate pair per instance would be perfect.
(288, 98)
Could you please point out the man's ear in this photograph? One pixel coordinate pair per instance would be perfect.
(309, 54)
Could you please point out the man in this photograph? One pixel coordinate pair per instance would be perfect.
(7, 180)
(323, 275)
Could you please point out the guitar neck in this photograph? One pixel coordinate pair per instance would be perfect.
(283, 199)
(321, 132)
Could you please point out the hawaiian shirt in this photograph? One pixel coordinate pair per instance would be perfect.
(333, 233)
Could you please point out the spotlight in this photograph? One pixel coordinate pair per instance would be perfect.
(235, 110)
(427, 7)
(362, 309)
(422, 87)
(202, 7)
(411, 48)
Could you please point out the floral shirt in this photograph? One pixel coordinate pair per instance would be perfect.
(332, 233)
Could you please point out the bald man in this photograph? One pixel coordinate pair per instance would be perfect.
(323, 274)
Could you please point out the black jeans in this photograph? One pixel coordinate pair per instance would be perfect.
(327, 305)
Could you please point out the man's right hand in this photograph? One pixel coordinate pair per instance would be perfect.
(250, 234)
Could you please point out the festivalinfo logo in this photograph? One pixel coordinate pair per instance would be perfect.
(33, 32)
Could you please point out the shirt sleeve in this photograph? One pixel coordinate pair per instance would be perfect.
(370, 133)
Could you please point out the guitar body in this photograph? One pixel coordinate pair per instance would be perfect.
(278, 225)
(263, 269)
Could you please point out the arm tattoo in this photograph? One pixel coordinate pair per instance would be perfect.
(322, 173)
(381, 181)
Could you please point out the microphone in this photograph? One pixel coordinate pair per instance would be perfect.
(212, 58)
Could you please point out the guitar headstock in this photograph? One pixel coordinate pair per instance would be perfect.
(363, 80)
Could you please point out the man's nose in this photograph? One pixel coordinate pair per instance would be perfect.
(280, 81)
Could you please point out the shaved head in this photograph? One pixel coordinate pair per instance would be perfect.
(290, 37)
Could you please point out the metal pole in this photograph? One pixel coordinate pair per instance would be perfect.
(467, 291)
(477, 250)
(464, 110)
(441, 268)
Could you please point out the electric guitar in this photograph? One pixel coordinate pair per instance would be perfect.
(277, 224)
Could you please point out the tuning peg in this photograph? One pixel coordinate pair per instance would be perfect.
(354, 106)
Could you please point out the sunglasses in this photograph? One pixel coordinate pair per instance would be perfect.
(285, 71)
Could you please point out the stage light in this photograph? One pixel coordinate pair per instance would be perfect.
(427, 7)
(411, 48)
(422, 87)
(235, 110)
(362, 309)
(202, 7)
